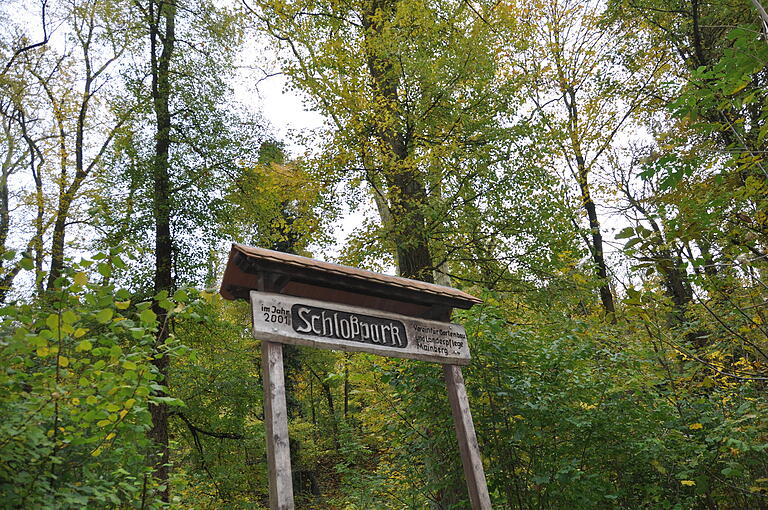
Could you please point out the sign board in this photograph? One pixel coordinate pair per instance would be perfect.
(302, 301)
(301, 321)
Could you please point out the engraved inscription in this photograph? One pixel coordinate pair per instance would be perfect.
(439, 340)
(276, 314)
(303, 321)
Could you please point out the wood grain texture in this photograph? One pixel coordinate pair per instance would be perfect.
(465, 434)
(276, 422)
(323, 280)
(427, 340)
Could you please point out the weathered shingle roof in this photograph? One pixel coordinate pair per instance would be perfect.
(317, 279)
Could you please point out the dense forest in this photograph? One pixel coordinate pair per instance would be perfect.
(594, 170)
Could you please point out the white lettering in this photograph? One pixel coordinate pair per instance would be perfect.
(315, 329)
(306, 328)
(327, 321)
(344, 329)
(396, 334)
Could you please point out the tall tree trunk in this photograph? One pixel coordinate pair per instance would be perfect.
(87, 27)
(406, 198)
(346, 387)
(81, 171)
(162, 34)
(406, 193)
(582, 175)
(57, 242)
(606, 296)
(331, 408)
(7, 274)
(65, 199)
(7, 169)
(676, 282)
(37, 242)
(36, 161)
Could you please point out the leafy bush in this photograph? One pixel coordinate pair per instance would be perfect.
(77, 383)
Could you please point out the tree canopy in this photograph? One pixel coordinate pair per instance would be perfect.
(594, 170)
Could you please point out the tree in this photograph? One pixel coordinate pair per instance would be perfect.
(411, 117)
(42, 119)
(707, 167)
(162, 39)
(18, 151)
(589, 77)
(277, 203)
(102, 34)
(172, 186)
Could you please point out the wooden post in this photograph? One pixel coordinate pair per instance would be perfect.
(276, 422)
(465, 434)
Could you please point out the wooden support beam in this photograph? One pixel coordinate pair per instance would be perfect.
(465, 434)
(276, 422)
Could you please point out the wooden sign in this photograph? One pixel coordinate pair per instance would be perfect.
(302, 321)
(301, 301)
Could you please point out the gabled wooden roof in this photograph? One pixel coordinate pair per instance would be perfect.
(251, 268)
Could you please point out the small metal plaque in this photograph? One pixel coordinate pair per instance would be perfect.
(302, 321)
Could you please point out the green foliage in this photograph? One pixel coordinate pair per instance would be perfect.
(78, 383)
(77, 380)
(478, 133)
(570, 418)
(277, 204)
(220, 447)
(416, 112)
(213, 137)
